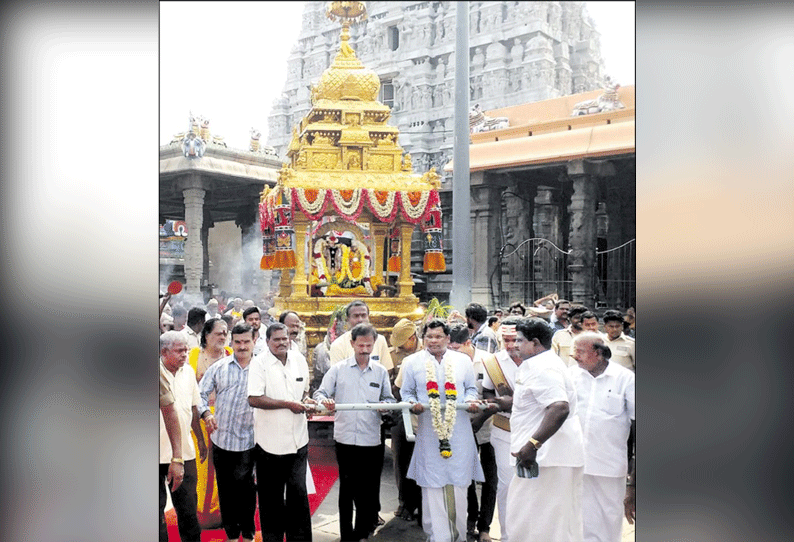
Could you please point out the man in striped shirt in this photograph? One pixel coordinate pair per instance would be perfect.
(232, 434)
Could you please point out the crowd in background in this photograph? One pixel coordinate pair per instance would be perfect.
(232, 332)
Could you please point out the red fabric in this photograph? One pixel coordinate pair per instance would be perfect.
(325, 471)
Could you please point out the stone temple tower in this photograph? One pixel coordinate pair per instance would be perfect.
(519, 52)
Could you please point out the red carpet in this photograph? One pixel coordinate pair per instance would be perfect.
(322, 460)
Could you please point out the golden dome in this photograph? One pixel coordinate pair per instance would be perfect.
(347, 78)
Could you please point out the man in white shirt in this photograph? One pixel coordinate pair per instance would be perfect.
(605, 398)
(181, 380)
(357, 312)
(253, 318)
(546, 437)
(278, 385)
(295, 330)
(192, 331)
(357, 379)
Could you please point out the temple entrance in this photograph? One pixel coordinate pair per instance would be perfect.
(616, 285)
(534, 268)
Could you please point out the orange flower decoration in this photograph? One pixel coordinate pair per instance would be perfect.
(347, 195)
(414, 197)
(382, 196)
(311, 194)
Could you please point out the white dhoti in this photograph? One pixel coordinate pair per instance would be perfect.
(444, 513)
(547, 508)
(602, 508)
(505, 472)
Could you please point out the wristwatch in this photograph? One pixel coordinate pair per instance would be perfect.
(535, 442)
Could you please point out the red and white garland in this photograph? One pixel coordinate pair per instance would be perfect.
(443, 426)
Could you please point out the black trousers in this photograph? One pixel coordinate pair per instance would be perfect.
(236, 491)
(483, 514)
(185, 502)
(409, 494)
(359, 485)
(279, 516)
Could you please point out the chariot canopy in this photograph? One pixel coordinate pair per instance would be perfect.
(347, 202)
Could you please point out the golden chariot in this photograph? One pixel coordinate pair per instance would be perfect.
(345, 206)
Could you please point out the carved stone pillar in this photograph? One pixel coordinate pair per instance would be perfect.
(547, 220)
(205, 235)
(406, 283)
(194, 252)
(581, 260)
(485, 214)
(300, 282)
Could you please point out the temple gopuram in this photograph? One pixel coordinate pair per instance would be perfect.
(339, 221)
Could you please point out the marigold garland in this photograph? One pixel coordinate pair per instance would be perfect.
(443, 426)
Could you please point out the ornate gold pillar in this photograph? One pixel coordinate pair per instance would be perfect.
(285, 284)
(379, 233)
(406, 283)
(300, 282)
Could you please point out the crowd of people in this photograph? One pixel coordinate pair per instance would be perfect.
(542, 430)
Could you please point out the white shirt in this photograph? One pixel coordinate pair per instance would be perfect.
(540, 381)
(606, 408)
(191, 338)
(260, 345)
(341, 349)
(186, 394)
(509, 369)
(279, 431)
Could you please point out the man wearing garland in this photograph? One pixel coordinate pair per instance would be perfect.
(444, 461)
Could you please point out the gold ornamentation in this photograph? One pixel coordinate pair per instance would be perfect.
(382, 162)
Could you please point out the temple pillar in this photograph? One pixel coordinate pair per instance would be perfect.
(581, 260)
(406, 283)
(547, 224)
(547, 220)
(205, 235)
(300, 282)
(193, 192)
(485, 213)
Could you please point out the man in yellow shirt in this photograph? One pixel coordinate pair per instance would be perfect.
(562, 339)
(619, 343)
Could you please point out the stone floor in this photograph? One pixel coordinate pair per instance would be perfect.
(325, 527)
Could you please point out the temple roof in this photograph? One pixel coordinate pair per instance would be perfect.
(545, 132)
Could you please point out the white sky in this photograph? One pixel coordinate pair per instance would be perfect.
(227, 61)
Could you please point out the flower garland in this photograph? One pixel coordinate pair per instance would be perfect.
(347, 267)
(443, 426)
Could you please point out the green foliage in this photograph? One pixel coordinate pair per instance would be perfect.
(436, 309)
